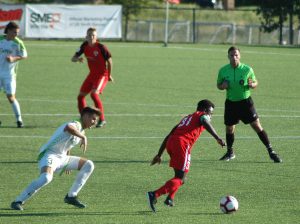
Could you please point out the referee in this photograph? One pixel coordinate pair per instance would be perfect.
(238, 78)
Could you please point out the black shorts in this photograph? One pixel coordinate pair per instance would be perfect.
(243, 110)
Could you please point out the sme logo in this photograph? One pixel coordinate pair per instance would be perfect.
(45, 19)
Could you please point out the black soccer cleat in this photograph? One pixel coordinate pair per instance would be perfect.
(151, 200)
(74, 201)
(274, 156)
(101, 124)
(169, 202)
(228, 156)
(20, 124)
(16, 205)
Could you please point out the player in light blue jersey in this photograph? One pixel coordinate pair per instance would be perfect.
(54, 157)
(12, 50)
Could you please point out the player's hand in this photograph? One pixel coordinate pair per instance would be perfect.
(83, 144)
(10, 58)
(225, 84)
(155, 160)
(81, 60)
(110, 79)
(221, 142)
(251, 84)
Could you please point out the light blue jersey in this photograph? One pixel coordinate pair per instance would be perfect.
(14, 47)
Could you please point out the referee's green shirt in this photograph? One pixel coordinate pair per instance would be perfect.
(238, 81)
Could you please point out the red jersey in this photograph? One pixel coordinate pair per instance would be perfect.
(96, 55)
(189, 129)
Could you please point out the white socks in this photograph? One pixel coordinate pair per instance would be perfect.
(84, 173)
(17, 110)
(35, 186)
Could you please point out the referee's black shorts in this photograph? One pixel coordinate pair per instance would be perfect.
(243, 110)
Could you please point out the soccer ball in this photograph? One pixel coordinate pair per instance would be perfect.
(229, 204)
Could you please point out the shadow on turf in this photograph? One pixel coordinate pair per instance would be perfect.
(95, 161)
(45, 214)
(48, 214)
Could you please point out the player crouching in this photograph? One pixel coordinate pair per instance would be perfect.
(179, 143)
(55, 157)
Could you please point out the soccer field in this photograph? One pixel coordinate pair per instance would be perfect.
(154, 87)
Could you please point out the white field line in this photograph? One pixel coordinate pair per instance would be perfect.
(143, 104)
(140, 115)
(140, 137)
(169, 47)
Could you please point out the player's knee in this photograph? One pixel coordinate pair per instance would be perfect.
(94, 95)
(46, 178)
(88, 166)
(80, 97)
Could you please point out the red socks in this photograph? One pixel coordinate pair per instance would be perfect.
(81, 103)
(98, 104)
(171, 187)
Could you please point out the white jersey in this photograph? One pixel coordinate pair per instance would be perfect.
(61, 141)
(10, 47)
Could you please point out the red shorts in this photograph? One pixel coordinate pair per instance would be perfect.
(180, 154)
(94, 82)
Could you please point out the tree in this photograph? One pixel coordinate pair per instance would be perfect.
(275, 13)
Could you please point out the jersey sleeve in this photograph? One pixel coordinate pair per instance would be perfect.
(21, 51)
(220, 78)
(81, 49)
(204, 117)
(76, 124)
(105, 52)
(252, 75)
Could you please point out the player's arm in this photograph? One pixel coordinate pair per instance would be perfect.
(205, 121)
(77, 56)
(223, 85)
(157, 158)
(11, 58)
(221, 82)
(74, 131)
(109, 65)
(252, 81)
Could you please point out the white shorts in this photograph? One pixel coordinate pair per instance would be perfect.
(59, 163)
(9, 85)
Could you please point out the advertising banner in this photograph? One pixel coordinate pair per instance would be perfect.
(14, 13)
(62, 21)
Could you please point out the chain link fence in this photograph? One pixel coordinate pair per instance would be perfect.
(190, 25)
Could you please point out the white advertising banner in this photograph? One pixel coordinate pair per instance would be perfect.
(14, 13)
(64, 21)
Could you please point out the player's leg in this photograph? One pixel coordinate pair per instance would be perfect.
(10, 89)
(98, 88)
(175, 184)
(250, 116)
(45, 178)
(263, 136)
(230, 120)
(85, 88)
(180, 162)
(98, 104)
(81, 102)
(85, 168)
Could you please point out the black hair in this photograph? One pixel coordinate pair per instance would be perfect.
(90, 110)
(10, 26)
(204, 105)
(233, 48)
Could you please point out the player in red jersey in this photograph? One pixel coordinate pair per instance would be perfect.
(179, 143)
(100, 65)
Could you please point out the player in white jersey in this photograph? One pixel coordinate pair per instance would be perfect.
(55, 157)
(12, 50)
